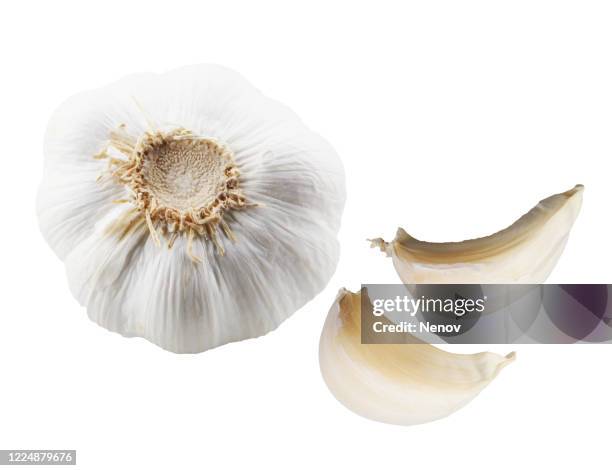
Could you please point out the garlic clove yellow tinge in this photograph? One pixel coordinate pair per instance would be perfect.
(403, 384)
(189, 209)
(526, 252)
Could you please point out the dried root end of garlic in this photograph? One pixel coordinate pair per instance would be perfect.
(189, 209)
(525, 252)
(402, 384)
(179, 183)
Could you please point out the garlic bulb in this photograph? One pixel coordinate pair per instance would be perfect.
(189, 209)
(525, 252)
(403, 384)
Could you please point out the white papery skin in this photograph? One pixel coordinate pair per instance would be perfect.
(402, 384)
(286, 248)
(525, 252)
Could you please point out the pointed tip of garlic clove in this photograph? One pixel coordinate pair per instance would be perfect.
(505, 361)
(380, 244)
(578, 188)
(342, 292)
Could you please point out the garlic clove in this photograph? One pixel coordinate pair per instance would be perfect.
(525, 252)
(402, 384)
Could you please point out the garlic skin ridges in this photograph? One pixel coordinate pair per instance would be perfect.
(189, 209)
(401, 384)
(525, 252)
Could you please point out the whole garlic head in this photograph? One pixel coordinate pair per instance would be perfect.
(189, 209)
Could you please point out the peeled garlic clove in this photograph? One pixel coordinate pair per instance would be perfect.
(189, 208)
(526, 252)
(402, 384)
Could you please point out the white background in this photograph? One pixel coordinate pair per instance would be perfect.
(452, 119)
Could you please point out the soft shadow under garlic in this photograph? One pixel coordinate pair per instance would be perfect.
(403, 384)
